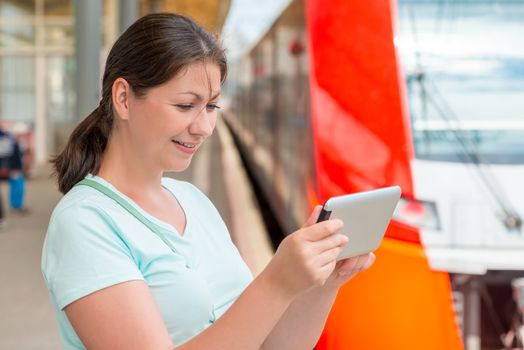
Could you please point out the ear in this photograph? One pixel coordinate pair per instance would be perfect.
(121, 93)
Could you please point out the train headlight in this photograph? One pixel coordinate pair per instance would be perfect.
(422, 214)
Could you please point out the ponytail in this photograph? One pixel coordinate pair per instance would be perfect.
(83, 151)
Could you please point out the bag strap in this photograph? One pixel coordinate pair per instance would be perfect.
(132, 210)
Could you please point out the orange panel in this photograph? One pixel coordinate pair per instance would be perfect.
(397, 304)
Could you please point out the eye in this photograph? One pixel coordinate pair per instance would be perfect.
(212, 107)
(184, 107)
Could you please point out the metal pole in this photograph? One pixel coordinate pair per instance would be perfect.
(88, 29)
(128, 13)
(472, 319)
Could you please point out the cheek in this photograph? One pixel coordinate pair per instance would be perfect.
(144, 121)
(213, 121)
(166, 124)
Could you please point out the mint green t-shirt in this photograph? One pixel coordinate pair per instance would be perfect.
(93, 243)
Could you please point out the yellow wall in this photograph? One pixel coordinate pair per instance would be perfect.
(209, 13)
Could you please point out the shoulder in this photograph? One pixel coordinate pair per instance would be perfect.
(83, 239)
(85, 217)
(83, 204)
(81, 242)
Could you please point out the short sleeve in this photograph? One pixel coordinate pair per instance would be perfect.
(83, 253)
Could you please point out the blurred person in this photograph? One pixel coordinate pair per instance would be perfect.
(134, 260)
(6, 152)
(17, 179)
(514, 338)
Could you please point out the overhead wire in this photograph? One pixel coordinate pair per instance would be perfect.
(511, 217)
(511, 220)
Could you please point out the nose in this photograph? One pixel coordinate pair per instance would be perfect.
(204, 123)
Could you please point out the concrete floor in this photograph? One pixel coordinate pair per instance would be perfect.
(26, 317)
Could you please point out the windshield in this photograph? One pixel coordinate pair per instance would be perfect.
(464, 66)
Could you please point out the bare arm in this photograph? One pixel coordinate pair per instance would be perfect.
(303, 322)
(125, 316)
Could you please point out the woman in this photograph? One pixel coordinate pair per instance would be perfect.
(133, 260)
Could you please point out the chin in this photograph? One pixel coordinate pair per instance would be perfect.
(177, 167)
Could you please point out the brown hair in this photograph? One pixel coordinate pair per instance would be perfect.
(149, 53)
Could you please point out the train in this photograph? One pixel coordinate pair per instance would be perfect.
(319, 107)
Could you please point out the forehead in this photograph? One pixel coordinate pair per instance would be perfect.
(203, 78)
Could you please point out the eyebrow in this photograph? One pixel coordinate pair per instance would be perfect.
(198, 96)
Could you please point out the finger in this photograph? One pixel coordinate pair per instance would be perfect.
(370, 260)
(359, 266)
(356, 264)
(322, 229)
(328, 256)
(364, 261)
(314, 216)
(349, 265)
(327, 270)
(330, 242)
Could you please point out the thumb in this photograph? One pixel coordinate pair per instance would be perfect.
(313, 217)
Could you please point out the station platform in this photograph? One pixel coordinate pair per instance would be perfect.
(27, 320)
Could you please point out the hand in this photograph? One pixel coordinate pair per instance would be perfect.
(307, 257)
(345, 269)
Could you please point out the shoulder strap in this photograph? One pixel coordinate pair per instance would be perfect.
(132, 210)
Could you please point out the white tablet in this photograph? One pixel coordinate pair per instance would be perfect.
(366, 216)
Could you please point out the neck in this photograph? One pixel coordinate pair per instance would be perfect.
(123, 167)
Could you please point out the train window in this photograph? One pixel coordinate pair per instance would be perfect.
(463, 64)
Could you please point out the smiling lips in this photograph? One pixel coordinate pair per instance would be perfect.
(189, 148)
(188, 145)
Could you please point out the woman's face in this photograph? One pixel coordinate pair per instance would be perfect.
(170, 123)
